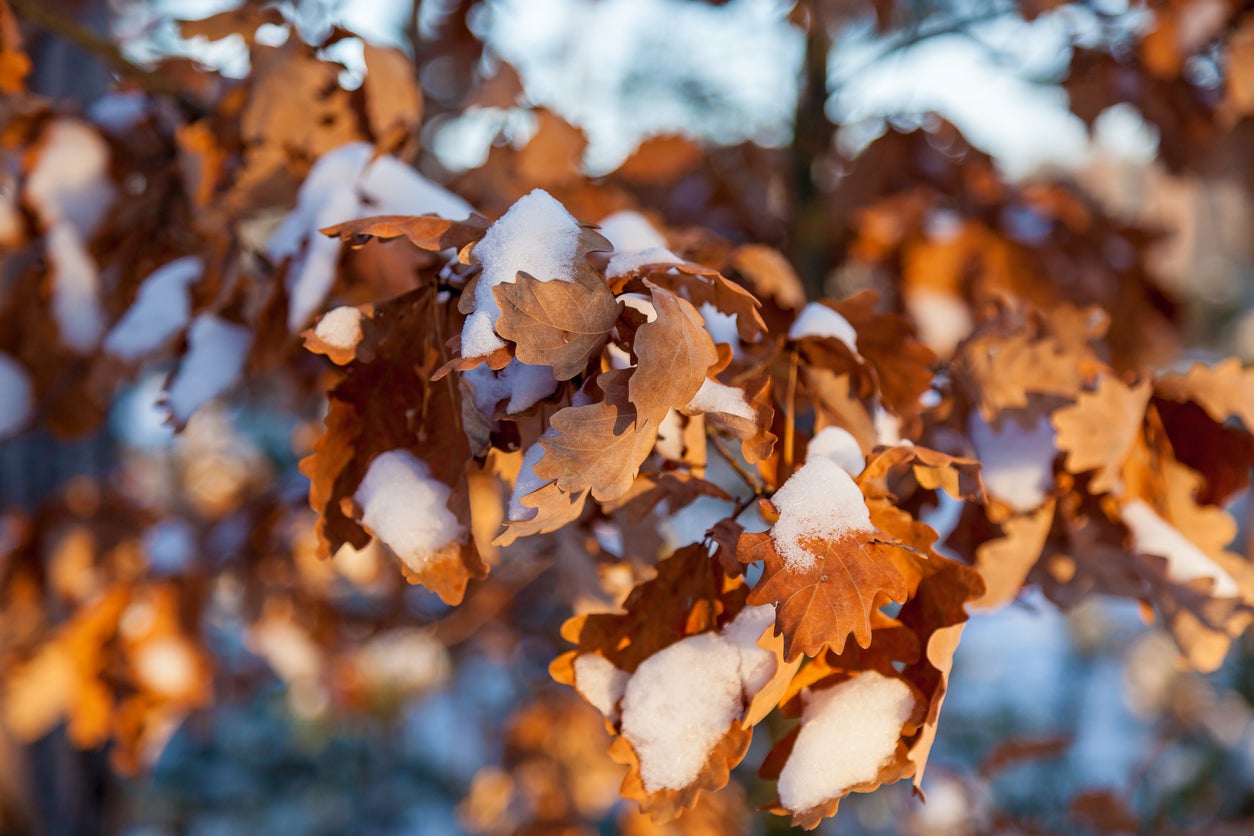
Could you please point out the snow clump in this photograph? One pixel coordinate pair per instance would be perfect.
(819, 501)
(847, 733)
(682, 700)
(536, 236)
(405, 507)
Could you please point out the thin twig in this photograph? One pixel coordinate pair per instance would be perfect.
(790, 416)
(745, 476)
(106, 51)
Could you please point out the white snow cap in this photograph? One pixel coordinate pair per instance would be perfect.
(682, 700)
(623, 263)
(818, 320)
(215, 357)
(406, 508)
(537, 236)
(160, 310)
(1151, 534)
(1018, 464)
(522, 385)
(340, 327)
(847, 733)
(344, 185)
(722, 327)
(69, 183)
(819, 501)
(630, 231)
(75, 289)
(943, 320)
(718, 397)
(16, 401)
(838, 445)
(600, 683)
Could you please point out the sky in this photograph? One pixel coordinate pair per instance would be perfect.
(623, 70)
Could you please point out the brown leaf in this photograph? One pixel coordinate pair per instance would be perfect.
(554, 323)
(771, 274)
(701, 284)
(598, 447)
(554, 509)
(821, 606)
(902, 364)
(1097, 431)
(690, 594)
(675, 352)
(393, 99)
(933, 470)
(427, 232)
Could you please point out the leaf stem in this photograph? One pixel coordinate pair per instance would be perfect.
(790, 416)
(745, 476)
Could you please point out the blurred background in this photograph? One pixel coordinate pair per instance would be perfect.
(916, 147)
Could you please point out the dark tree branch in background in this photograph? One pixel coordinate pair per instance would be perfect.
(104, 50)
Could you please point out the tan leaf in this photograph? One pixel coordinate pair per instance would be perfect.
(665, 805)
(771, 274)
(1005, 562)
(1097, 431)
(675, 352)
(393, 99)
(558, 324)
(933, 470)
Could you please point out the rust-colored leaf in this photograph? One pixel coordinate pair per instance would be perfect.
(823, 605)
(675, 352)
(427, 232)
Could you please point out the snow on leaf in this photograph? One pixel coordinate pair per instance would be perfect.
(216, 353)
(558, 324)
(1097, 431)
(850, 740)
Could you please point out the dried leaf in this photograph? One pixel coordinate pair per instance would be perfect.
(558, 324)
(675, 352)
(821, 606)
(427, 232)
(1097, 431)
(665, 805)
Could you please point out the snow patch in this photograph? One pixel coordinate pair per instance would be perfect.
(718, 397)
(214, 361)
(340, 327)
(344, 185)
(537, 236)
(405, 507)
(16, 398)
(819, 501)
(600, 682)
(70, 183)
(943, 320)
(160, 310)
(630, 231)
(522, 385)
(75, 289)
(838, 445)
(527, 482)
(818, 320)
(628, 262)
(847, 733)
(722, 327)
(1151, 534)
(682, 700)
(1018, 464)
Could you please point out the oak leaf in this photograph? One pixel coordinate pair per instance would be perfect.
(558, 324)
(1097, 431)
(665, 805)
(824, 604)
(426, 232)
(675, 352)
